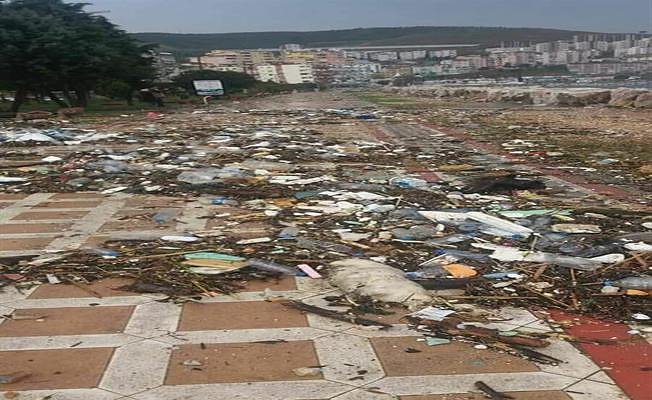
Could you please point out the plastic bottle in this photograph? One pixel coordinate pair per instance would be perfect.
(103, 252)
(600, 250)
(407, 182)
(289, 233)
(461, 254)
(634, 282)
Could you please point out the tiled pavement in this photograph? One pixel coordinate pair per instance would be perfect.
(228, 347)
(130, 346)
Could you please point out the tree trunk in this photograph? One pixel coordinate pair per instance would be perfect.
(82, 97)
(57, 100)
(130, 98)
(19, 99)
(67, 96)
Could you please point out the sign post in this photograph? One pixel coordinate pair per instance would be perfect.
(208, 88)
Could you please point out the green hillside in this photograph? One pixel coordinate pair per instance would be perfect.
(195, 44)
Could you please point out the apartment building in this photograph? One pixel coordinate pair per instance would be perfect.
(383, 56)
(442, 54)
(354, 73)
(412, 55)
(267, 73)
(512, 57)
(297, 73)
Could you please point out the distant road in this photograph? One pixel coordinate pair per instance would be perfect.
(415, 46)
(396, 47)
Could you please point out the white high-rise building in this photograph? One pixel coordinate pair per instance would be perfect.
(267, 73)
(297, 73)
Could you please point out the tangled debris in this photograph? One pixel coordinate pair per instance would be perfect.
(290, 192)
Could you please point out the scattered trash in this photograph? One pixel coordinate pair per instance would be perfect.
(350, 318)
(433, 313)
(173, 238)
(491, 393)
(14, 377)
(432, 341)
(641, 317)
(292, 192)
(307, 269)
(576, 228)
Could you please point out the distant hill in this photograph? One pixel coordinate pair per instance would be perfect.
(195, 44)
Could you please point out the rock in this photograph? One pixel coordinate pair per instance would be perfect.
(579, 99)
(624, 97)
(646, 169)
(644, 100)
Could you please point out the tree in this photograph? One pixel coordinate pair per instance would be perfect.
(49, 45)
(232, 81)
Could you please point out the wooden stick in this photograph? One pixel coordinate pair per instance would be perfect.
(179, 253)
(560, 303)
(85, 288)
(333, 314)
(490, 297)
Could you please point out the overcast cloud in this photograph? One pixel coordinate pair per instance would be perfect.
(207, 16)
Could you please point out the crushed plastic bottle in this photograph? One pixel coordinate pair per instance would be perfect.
(634, 282)
(289, 233)
(461, 255)
(407, 182)
(429, 272)
(417, 232)
(103, 252)
(270, 266)
(198, 176)
(110, 166)
(162, 217)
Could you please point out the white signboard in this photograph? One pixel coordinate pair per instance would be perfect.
(208, 88)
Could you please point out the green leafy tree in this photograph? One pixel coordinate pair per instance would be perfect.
(49, 45)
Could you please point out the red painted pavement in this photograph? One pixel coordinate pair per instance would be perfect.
(628, 358)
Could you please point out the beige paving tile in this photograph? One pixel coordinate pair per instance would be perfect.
(588, 390)
(151, 201)
(241, 362)
(76, 196)
(278, 390)
(541, 395)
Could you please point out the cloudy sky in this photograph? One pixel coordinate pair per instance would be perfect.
(204, 16)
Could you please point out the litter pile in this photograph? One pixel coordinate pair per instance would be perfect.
(315, 193)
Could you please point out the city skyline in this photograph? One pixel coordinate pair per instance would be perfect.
(221, 16)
